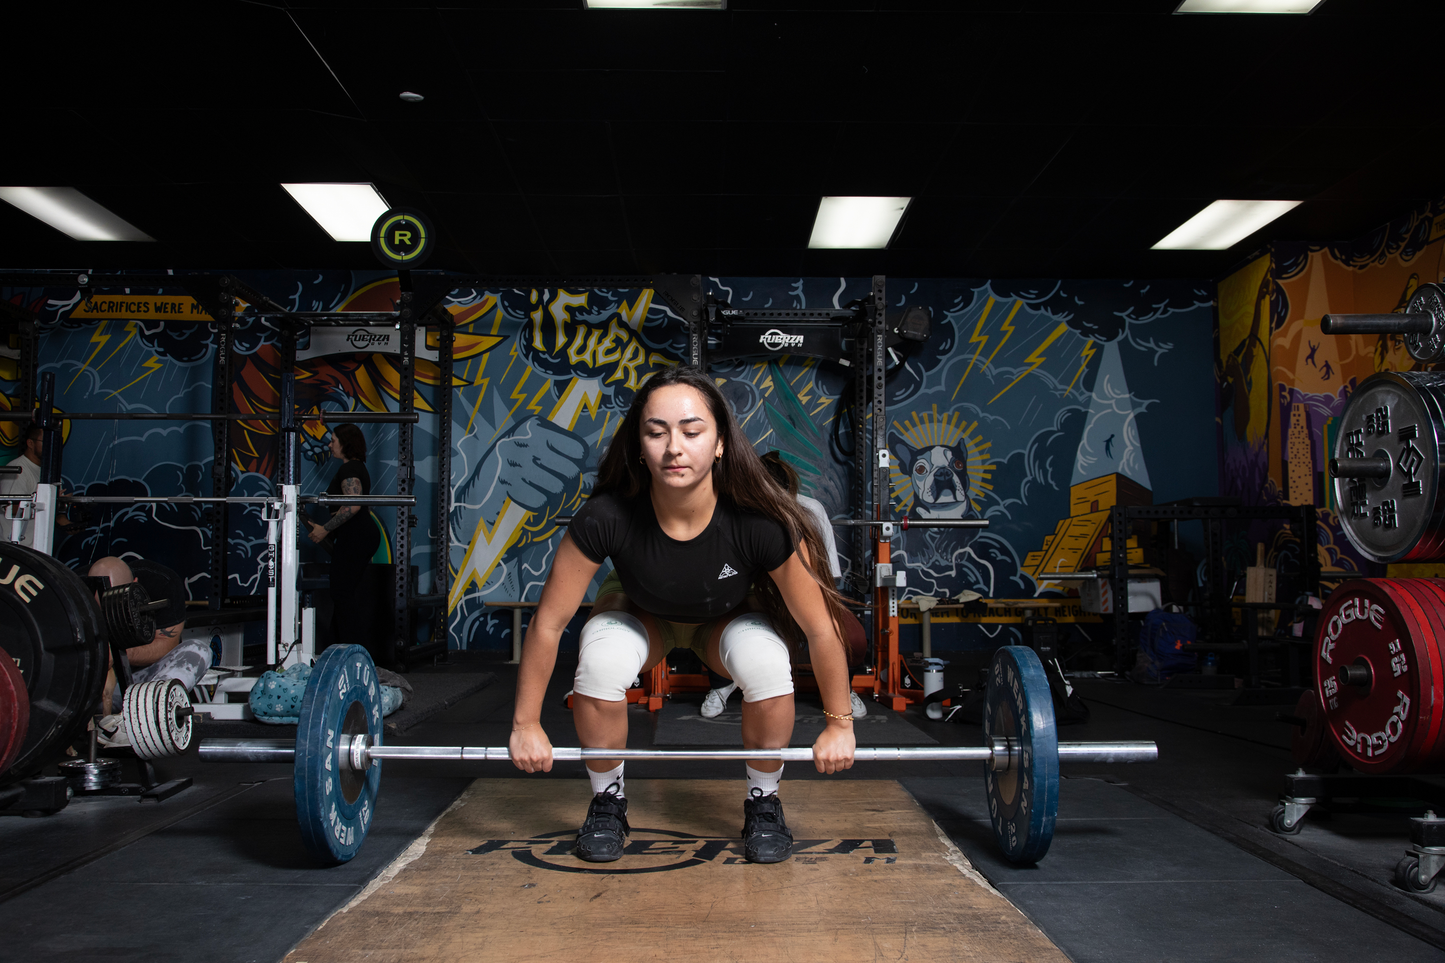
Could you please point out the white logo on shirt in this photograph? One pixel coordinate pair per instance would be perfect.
(727, 571)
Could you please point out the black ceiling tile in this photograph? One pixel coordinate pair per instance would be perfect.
(479, 220)
(457, 157)
(674, 156)
(1042, 223)
(1095, 160)
(510, 260)
(668, 259)
(885, 159)
(758, 262)
(595, 261)
(659, 222)
(573, 223)
(746, 220)
(934, 222)
(777, 158)
(997, 159)
(559, 158)
(643, 96)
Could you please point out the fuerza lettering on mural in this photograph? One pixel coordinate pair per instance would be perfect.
(608, 348)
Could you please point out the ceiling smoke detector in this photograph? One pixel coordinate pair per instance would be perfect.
(411, 98)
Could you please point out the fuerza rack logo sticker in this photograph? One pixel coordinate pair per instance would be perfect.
(727, 571)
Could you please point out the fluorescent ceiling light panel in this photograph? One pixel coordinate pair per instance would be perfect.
(857, 222)
(1247, 6)
(71, 212)
(345, 211)
(656, 4)
(1223, 224)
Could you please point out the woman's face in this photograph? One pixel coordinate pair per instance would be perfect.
(336, 447)
(679, 437)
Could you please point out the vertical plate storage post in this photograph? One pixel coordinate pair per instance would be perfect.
(441, 537)
(405, 481)
(223, 310)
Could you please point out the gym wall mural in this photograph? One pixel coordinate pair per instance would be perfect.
(1034, 404)
(1283, 383)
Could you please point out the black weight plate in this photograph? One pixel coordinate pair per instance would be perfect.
(125, 617)
(52, 631)
(334, 806)
(1310, 744)
(14, 712)
(1023, 802)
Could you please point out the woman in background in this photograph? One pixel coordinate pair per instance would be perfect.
(355, 539)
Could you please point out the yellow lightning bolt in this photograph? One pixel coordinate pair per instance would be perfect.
(1008, 329)
(98, 339)
(535, 405)
(1034, 359)
(151, 366)
(978, 338)
(1085, 357)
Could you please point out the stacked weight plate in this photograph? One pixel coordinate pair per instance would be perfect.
(1379, 659)
(1400, 517)
(150, 719)
(50, 628)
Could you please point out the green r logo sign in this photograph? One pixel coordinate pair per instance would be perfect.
(402, 238)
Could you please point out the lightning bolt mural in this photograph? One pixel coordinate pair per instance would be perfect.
(1085, 356)
(1034, 359)
(151, 366)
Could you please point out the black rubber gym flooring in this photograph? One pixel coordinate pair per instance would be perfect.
(1171, 861)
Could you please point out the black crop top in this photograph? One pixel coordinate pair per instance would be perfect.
(693, 581)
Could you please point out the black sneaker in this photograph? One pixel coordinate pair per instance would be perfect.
(765, 835)
(600, 838)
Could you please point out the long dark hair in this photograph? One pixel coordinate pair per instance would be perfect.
(353, 442)
(738, 476)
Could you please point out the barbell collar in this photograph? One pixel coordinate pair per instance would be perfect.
(1377, 323)
(355, 753)
(1360, 467)
(1357, 674)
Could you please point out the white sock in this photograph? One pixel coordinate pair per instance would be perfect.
(601, 780)
(766, 781)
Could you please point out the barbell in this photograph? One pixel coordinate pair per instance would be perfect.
(1422, 324)
(338, 752)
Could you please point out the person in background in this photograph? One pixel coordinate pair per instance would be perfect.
(165, 656)
(354, 536)
(716, 700)
(25, 483)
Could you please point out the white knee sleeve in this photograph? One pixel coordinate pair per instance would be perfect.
(756, 657)
(611, 653)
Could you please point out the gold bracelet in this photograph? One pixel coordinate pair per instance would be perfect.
(830, 715)
(520, 728)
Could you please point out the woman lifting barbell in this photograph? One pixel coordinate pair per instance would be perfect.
(708, 554)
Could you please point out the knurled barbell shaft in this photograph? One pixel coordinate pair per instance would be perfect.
(1360, 467)
(1377, 323)
(283, 750)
